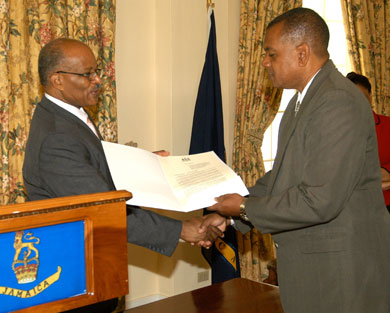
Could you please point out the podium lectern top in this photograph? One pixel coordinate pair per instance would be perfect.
(63, 253)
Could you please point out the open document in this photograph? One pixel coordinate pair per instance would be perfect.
(178, 183)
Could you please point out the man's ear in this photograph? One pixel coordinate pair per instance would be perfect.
(56, 81)
(303, 53)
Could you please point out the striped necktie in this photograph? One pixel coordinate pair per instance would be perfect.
(297, 106)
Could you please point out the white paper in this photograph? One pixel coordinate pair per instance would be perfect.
(178, 183)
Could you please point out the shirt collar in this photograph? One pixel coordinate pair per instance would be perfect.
(303, 94)
(80, 113)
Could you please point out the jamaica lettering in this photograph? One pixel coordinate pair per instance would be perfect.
(13, 292)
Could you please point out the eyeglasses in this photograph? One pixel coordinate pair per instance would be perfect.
(90, 75)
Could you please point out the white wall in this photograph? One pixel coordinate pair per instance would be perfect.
(160, 50)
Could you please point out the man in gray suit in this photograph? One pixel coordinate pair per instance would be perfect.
(64, 155)
(322, 200)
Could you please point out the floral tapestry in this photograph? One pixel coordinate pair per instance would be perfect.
(25, 27)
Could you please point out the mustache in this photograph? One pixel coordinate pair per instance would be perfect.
(97, 87)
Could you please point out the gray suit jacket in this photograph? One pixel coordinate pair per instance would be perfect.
(64, 157)
(323, 203)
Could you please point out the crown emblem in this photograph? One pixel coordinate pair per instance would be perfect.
(26, 259)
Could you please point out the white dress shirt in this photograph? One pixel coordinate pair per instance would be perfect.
(80, 113)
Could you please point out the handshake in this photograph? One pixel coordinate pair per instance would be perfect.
(203, 231)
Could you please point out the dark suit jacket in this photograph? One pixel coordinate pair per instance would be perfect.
(323, 203)
(64, 157)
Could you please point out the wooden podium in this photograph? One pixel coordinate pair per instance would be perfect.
(63, 253)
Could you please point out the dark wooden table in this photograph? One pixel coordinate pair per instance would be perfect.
(238, 295)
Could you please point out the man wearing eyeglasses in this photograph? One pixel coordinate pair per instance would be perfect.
(64, 155)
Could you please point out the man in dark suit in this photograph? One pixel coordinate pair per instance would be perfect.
(64, 155)
(322, 201)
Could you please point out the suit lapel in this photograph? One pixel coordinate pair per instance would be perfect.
(50, 106)
(75, 121)
(286, 129)
(307, 105)
(289, 120)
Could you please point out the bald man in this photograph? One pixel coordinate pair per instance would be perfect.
(64, 155)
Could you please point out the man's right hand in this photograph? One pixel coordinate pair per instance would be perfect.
(203, 231)
(194, 233)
